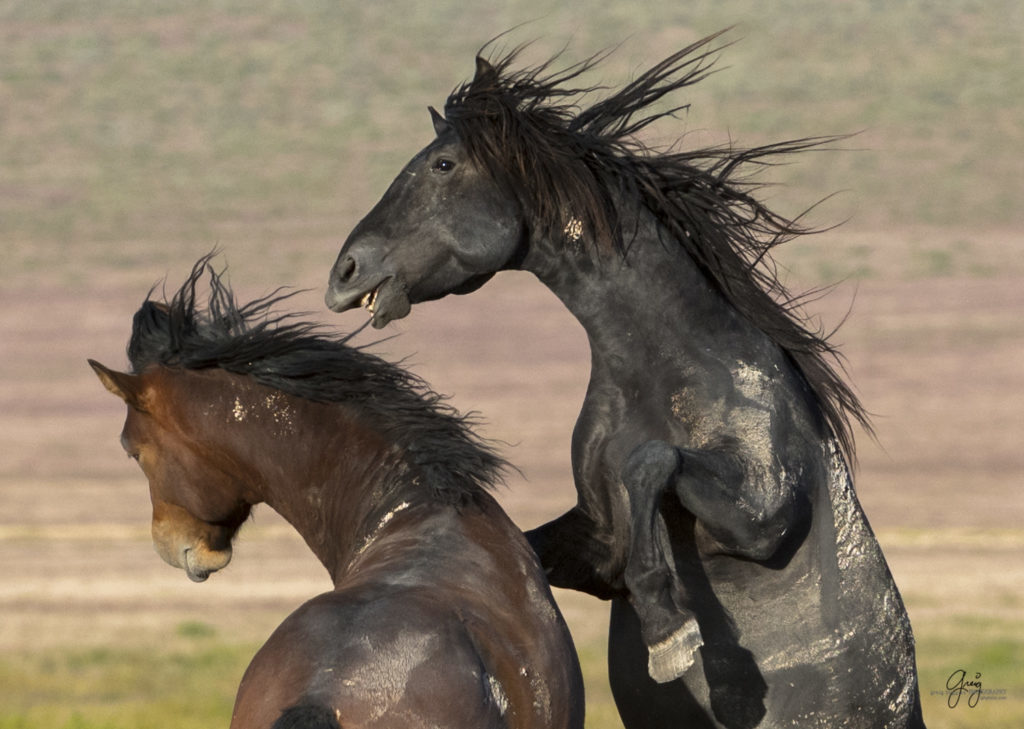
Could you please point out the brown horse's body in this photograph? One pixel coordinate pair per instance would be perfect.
(440, 614)
(409, 644)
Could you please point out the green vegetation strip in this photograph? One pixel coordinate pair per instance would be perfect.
(191, 682)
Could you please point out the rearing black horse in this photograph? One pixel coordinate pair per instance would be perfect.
(715, 507)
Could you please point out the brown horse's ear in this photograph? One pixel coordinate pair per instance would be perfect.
(125, 386)
(441, 125)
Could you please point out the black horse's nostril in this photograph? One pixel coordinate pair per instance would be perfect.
(345, 284)
(345, 269)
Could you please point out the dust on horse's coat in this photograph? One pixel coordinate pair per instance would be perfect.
(715, 507)
(440, 614)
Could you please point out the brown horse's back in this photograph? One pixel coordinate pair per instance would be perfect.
(478, 643)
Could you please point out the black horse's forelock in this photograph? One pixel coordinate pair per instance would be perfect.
(530, 130)
(303, 359)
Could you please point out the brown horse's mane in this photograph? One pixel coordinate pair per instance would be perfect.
(568, 162)
(303, 359)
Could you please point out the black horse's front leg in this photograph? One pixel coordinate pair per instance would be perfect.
(675, 493)
(667, 624)
(577, 554)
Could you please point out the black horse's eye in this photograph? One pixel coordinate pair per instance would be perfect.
(444, 165)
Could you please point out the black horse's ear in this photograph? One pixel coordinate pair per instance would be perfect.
(441, 125)
(484, 71)
(122, 384)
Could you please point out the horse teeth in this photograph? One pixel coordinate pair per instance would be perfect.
(369, 300)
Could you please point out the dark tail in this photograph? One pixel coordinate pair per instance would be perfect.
(307, 716)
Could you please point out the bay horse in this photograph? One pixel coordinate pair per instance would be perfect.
(440, 614)
(715, 505)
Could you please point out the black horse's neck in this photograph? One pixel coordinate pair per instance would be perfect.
(648, 308)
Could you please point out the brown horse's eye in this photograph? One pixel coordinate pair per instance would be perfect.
(444, 165)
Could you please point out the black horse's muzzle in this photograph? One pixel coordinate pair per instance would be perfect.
(381, 292)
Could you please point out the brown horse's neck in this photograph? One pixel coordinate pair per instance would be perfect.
(331, 476)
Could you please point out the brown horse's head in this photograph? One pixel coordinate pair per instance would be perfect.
(198, 502)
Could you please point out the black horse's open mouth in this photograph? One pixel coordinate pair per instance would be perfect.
(387, 302)
(384, 302)
(340, 298)
(369, 300)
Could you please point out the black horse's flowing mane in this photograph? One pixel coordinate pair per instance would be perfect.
(301, 359)
(573, 166)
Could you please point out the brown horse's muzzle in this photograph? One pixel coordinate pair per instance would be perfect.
(183, 541)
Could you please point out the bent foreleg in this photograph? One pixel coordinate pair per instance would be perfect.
(667, 624)
(728, 514)
(744, 516)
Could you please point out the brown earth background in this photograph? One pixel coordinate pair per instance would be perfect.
(134, 140)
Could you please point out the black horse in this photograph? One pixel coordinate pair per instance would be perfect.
(440, 614)
(715, 506)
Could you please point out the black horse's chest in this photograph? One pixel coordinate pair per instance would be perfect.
(612, 422)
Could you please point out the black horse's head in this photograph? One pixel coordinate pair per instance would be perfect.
(444, 226)
(513, 164)
(519, 169)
